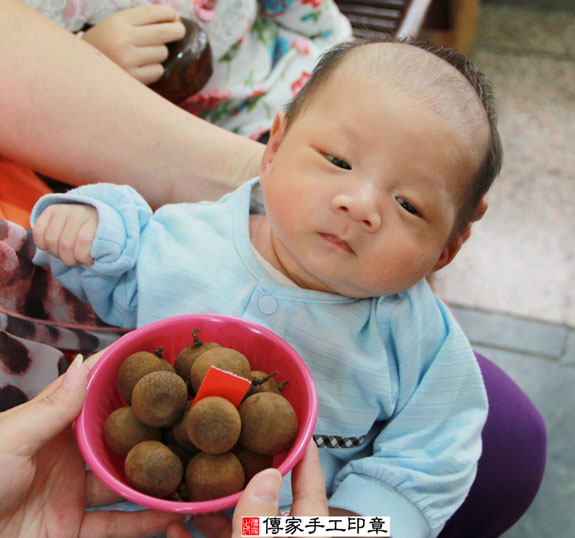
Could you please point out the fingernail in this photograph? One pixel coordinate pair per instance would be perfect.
(72, 370)
(268, 485)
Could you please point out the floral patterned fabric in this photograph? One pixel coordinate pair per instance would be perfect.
(41, 323)
(263, 50)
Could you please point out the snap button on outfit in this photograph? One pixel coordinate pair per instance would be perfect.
(268, 305)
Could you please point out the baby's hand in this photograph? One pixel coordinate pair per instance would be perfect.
(136, 39)
(67, 232)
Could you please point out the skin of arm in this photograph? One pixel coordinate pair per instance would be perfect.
(69, 112)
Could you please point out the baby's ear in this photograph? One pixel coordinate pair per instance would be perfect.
(452, 249)
(276, 136)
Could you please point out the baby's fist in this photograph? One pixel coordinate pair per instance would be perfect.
(67, 232)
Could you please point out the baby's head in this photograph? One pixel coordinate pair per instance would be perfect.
(384, 155)
(443, 80)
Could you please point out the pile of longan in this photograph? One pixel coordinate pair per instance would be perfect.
(196, 453)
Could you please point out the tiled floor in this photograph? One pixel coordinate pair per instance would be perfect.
(540, 358)
(520, 259)
(513, 285)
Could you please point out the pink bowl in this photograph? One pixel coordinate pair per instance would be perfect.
(265, 350)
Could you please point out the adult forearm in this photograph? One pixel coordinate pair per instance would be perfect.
(69, 112)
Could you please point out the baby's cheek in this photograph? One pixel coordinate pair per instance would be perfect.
(285, 203)
(411, 262)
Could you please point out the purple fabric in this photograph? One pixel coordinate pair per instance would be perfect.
(512, 463)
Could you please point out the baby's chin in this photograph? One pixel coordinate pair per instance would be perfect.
(314, 275)
(358, 290)
(342, 287)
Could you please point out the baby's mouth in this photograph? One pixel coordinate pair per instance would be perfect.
(338, 242)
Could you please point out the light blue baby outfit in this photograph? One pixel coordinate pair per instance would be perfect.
(401, 398)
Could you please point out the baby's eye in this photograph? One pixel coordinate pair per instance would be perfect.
(340, 163)
(407, 206)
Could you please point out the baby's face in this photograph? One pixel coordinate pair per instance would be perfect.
(361, 191)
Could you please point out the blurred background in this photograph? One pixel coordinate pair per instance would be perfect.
(512, 286)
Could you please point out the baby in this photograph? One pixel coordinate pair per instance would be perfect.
(369, 182)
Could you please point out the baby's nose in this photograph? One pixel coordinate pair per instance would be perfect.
(361, 207)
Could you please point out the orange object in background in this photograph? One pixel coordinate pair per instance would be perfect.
(20, 189)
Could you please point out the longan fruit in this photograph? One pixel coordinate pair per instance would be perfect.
(180, 434)
(159, 399)
(187, 356)
(122, 431)
(252, 462)
(209, 476)
(136, 366)
(221, 357)
(214, 425)
(262, 382)
(269, 423)
(152, 468)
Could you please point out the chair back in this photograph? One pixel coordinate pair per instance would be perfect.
(374, 18)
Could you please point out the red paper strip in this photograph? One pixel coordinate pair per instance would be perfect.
(224, 384)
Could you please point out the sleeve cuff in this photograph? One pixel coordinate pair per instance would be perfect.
(367, 496)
